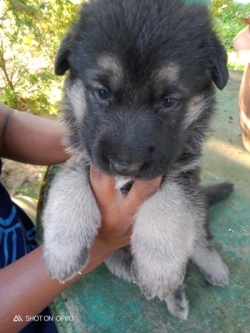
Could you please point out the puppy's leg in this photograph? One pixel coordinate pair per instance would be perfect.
(162, 240)
(208, 260)
(119, 263)
(177, 303)
(71, 219)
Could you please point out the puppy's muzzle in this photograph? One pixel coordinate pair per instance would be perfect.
(123, 154)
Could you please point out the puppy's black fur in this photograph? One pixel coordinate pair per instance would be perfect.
(139, 96)
(145, 108)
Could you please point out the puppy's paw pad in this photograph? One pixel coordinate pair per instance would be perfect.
(177, 303)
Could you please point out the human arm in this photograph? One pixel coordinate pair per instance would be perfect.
(31, 139)
(25, 286)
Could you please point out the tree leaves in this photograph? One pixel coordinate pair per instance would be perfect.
(31, 31)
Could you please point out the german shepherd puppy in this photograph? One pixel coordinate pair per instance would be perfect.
(139, 97)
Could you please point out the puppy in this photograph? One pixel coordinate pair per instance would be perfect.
(138, 100)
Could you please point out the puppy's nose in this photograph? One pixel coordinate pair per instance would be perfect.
(125, 169)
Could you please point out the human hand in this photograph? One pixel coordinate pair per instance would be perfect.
(117, 211)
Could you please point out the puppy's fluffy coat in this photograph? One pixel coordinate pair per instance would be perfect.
(139, 96)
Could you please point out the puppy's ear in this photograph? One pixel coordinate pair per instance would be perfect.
(62, 58)
(218, 60)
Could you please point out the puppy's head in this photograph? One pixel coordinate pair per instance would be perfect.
(141, 74)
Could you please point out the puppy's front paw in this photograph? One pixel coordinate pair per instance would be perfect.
(65, 262)
(71, 220)
(156, 276)
(162, 241)
(67, 239)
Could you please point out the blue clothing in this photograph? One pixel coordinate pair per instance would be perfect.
(17, 238)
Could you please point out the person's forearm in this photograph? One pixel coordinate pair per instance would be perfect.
(31, 139)
(26, 288)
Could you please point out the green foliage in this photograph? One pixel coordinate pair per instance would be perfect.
(228, 15)
(31, 31)
(228, 22)
(217, 6)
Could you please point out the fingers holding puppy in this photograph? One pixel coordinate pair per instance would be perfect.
(118, 212)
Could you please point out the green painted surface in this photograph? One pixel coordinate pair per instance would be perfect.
(102, 303)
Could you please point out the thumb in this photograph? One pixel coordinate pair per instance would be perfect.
(140, 192)
(103, 187)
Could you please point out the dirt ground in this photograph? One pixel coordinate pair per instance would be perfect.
(22, 179)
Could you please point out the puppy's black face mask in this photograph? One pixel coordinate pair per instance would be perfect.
(133, 126)
(139, 83)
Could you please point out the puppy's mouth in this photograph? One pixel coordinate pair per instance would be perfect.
(125, 188)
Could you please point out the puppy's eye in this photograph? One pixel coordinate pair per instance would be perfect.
(103, 94)
(169, 103)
